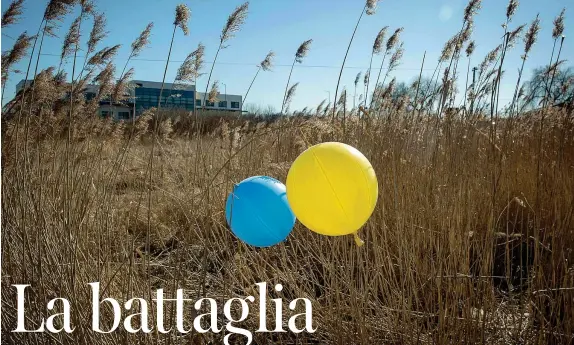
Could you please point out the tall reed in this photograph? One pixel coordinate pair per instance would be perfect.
(370, 9)
(301, 52)
(265, 65)
(234, 22)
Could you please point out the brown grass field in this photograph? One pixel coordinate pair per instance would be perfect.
(471, 241)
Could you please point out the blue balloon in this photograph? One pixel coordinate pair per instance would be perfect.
(258, 213)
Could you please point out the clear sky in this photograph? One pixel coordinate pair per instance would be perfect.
(281, 26)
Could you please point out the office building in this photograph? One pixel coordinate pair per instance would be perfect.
(147, 95)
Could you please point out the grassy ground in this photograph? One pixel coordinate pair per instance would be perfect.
(471, 240)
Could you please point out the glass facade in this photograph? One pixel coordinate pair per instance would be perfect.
(148, 98)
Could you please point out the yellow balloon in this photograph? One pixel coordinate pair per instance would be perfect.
(332, 189)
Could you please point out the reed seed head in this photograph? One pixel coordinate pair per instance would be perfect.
(371, 6)
(12, 14)
(511, 9)
(531, 35)
(87, 6)
(466, 32)
(121, 87)
(392, 41)
(378, 45)
(56, 9)
(448, 48)
(303, 50)
(72, 38)
(98, 32)
(367, 77)
(471, 9)
(290, 94)
(490, 58)
(234, 22)
(15, 54)
(191, 67)
(396, 57)
(559, 25)
(182, 14)
(343, 97)
(103, 56)
(514, 35)
(213, 92)
(320, 106)
(267, 63)
(104, 80)
(388, 91)
(197, 59)
(142, 41)
(470, 48)
(357, 78)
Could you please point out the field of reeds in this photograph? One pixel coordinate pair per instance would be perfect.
(471, 241)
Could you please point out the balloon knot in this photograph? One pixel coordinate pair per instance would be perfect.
(358, 241)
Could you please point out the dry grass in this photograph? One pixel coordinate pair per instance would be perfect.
(429, 272)
(471, 240)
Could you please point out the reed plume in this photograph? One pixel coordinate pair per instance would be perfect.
(391, 43)
(377, 48)
(369, 9)
(471, 9)
(190, 69)
(104, 79)
(301, 52)
(470, 48)
(213, 92)
(56, 9)
(558, 29)
(97, 34)
(182, 14)
(265, 65)
(104, 56)
(12, 56)
(121, 86)
(357, 79)
(234, 22)
(320, 107)
(511, 9)
(468, 51)
(557, 32)
(393, 63)
(142, 41)
(71, 39)
(290, 95)
(13, 13)
(529, 41)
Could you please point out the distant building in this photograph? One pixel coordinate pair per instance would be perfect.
(147, 95)
(224, 102)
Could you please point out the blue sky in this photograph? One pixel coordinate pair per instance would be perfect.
(282, 26)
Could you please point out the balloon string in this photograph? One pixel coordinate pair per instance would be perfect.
(358, 240)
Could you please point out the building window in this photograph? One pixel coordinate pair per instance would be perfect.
(198, 102)
(124, 115)
(209, 104)
(223, 104)
(106, 113)
(235, 105)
